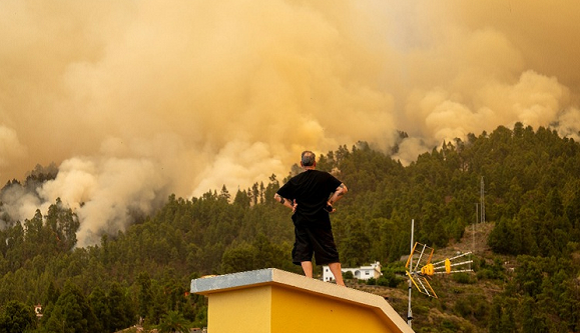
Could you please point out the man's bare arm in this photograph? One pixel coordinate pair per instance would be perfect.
(338, 194)
(284, 201)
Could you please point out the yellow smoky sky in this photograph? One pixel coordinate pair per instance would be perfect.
(134, 100)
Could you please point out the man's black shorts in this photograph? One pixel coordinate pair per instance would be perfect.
(317, 241)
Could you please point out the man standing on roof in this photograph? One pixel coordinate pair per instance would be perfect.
(311, 196)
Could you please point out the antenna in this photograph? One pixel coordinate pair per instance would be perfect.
(410, 260)
(419, 269)
(420, 272)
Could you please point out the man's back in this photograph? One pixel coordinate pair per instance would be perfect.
(310, 190)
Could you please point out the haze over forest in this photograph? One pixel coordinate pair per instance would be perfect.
(135, 100)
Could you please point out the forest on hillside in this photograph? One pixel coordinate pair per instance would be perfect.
(532, 198)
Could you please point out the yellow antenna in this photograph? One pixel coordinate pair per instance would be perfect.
(420, 268)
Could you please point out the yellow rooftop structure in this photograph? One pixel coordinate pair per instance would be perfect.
(275, 301)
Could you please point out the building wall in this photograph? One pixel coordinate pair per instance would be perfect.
(275, 301)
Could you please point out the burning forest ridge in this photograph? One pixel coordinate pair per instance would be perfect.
(133, 101)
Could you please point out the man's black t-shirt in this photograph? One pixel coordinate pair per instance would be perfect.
(311, 190)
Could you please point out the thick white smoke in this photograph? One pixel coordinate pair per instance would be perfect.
(135, 100)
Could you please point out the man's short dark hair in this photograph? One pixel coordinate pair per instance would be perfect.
(308, 158)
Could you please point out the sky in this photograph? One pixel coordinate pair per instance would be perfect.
(135, 100)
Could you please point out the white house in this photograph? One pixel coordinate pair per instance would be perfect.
(361, 273)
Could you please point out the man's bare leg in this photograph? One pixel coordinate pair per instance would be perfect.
(307, 268)
(335, 269)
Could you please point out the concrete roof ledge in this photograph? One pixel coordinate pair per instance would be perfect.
(280, 278)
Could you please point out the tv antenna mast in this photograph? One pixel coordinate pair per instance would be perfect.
(420, 269)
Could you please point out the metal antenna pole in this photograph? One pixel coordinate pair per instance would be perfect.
(410, 311)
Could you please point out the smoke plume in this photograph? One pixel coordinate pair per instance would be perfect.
(134, 100)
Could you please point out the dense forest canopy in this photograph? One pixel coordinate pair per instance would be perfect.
(532, 198)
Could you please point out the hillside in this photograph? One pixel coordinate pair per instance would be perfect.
(527, 260)
(454, 308)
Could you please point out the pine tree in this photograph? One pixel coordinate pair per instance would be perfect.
(72, 313)
(17, 317)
